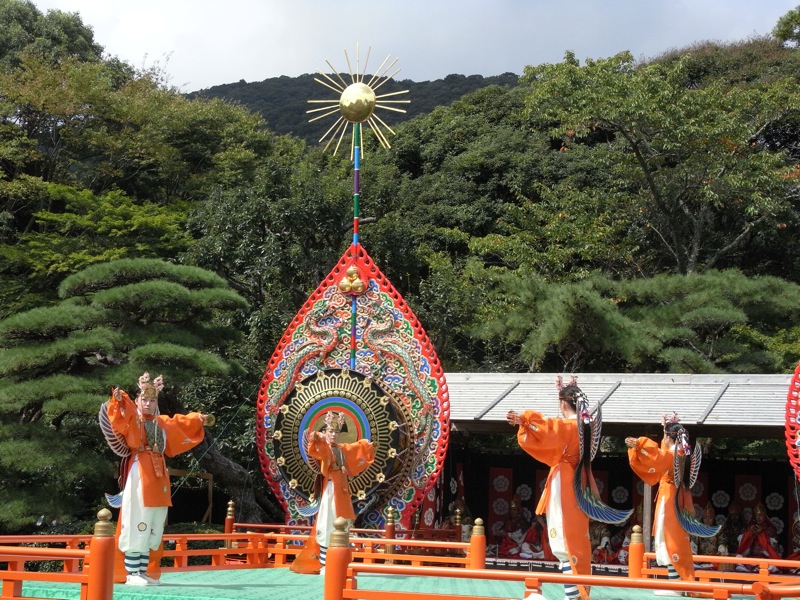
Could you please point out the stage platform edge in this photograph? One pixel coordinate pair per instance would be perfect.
(283, 584)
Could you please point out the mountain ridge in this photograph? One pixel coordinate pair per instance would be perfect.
(283, 101)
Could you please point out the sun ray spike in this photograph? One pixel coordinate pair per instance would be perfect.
(379, 97)
(349, 67)
(377, 75)
(375, 127)
(335, 71)
(387, 78)
(334, 87)
(340, 125)
(342, 130)
(366, 62)
(340, 122)
(389, 129)
(318, 117)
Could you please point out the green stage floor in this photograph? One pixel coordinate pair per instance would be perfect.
(282, 584)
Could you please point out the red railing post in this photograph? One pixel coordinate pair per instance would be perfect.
(477, 546)
(100, 585)
(12, 588)
(636, 553)
(336, 561)
(181, 560)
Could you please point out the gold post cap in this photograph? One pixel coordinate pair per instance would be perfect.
(104, 527)
(636, 535)
(340, 537)
(477, 528)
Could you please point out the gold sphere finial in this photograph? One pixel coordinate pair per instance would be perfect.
(357, 102)
(477, 528)
(345, 285)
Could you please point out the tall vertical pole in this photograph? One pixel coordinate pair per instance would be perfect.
(356, 212)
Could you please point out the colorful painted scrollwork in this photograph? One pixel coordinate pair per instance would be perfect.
(400, 387)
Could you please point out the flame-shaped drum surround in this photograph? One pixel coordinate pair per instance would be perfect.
(393, 352)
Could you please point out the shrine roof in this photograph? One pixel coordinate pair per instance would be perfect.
(741, 405)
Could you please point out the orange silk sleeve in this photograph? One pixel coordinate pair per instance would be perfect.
(184, 432)
(545, 439)
(649, 461)
(318, 447)
(358, 456)
(122, 416)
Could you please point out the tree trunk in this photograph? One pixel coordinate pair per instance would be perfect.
(250, 505)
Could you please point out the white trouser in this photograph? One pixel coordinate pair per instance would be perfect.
(142, 527)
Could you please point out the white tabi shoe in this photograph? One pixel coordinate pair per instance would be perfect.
(136, 579)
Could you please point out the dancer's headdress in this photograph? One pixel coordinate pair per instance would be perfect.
(150, 389)
(334, 420)
(674, 429)
(571, 391)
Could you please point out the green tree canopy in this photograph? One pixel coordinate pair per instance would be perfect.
(716, 322)
(54, 36)
(787, 29)
(690, 159)
(114, 321)
(93, 169)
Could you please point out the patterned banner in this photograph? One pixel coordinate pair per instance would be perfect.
(501, 490)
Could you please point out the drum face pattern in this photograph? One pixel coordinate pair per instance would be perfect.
(369, 412)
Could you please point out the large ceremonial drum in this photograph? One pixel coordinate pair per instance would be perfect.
(355, 347)
(370, 412)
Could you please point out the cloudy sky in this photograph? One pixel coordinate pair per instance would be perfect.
(202, 43)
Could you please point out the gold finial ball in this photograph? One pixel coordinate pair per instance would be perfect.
(357, 102)
(352, 272)
(358, 286)
(345, 285)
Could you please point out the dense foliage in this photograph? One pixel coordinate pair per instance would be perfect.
(608, 216)
(115, 320)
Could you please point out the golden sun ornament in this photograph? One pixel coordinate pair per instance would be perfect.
(357, 102)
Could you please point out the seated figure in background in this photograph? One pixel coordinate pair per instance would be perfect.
(621, 540)
(733, 528)
(518, 538)
(759, 540)
(466, 515)
(600, 539)
(710, 546)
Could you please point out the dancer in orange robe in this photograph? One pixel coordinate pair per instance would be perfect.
(654, 463)
(138, 432)
(555, 443)
(337, 464)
